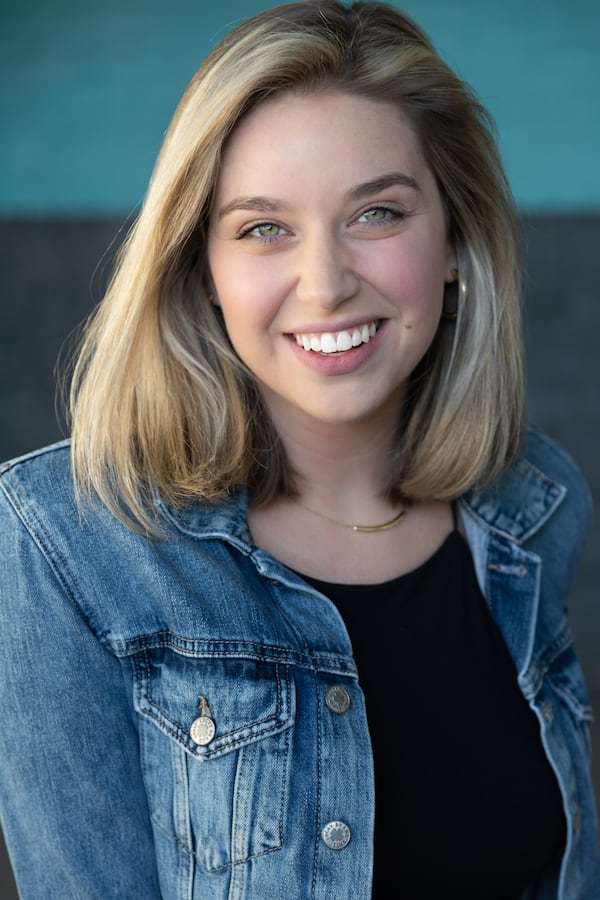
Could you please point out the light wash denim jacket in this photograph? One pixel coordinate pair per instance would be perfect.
(108, 640)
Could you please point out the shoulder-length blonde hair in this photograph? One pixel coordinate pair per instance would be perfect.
(160, 400)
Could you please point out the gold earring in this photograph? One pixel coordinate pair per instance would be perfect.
(455, 295)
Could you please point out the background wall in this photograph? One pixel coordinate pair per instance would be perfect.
(87, 90)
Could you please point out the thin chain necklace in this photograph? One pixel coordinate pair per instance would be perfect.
(385, 526)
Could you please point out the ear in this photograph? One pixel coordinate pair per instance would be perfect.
(451, 275)
(451, 266)
(211, 293)
(209, 286)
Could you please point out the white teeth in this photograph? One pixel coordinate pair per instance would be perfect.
(338, 341)
(328, 343)
(344, 341)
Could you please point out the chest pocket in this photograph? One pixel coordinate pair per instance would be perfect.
(223, 800)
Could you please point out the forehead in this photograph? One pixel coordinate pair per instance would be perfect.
(336, 131)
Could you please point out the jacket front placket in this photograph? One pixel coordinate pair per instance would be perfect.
(510, 580)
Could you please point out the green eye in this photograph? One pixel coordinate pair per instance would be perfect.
(263, 232)
(377, 214)
(267, 230)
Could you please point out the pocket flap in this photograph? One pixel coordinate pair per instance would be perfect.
(248, 698)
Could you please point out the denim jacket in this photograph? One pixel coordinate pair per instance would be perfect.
(109, 785)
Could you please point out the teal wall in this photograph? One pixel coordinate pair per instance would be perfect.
(87, 90)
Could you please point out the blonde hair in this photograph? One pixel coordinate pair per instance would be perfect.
(159, 399)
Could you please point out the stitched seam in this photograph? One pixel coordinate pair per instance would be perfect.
(226, 746)
(237, 862)
(55, 560)
(318, 797)
(582, 711)
(342, 666)
(190, 647)
(284, 786)
(554, 649)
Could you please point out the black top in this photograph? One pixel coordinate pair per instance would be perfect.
(467, 804)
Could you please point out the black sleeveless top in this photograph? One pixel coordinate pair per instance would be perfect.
(467, 804)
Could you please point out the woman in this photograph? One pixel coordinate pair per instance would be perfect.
(302, 498)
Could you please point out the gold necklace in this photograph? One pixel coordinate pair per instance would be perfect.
(385, 526)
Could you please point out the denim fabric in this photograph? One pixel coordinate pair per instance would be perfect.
(108, 640)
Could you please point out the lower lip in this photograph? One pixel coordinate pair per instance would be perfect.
(338, 364)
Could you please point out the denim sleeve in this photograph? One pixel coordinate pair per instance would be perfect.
(72, 800)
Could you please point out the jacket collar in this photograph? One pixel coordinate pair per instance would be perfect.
(516, 506)
(226, 519)
(519, 503)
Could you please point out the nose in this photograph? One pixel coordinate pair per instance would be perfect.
(326, 276)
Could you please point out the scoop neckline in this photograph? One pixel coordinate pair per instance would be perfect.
(351, 585)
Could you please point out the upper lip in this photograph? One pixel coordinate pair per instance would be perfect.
(333, 327)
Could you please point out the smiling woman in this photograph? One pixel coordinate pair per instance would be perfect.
(300, 515)
(334, 301)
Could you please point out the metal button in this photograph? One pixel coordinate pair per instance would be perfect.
(203, 728)
(336, 835)
(338, 699)
(202, 731)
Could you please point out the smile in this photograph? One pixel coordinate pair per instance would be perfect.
(337, 341)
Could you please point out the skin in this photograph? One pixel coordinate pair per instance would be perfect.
(327, 219)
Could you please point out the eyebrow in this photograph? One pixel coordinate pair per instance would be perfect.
(268, 205)
(381, 184)
(254, 204)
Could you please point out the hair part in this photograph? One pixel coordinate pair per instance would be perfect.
(161, 402)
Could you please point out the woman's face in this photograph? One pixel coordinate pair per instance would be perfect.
(328, 251)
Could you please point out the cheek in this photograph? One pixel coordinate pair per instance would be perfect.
(246, 313)
(249, 294)
(248, 319)
(414, 282)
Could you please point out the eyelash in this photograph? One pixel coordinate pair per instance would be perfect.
(247, 232)
(392, 215)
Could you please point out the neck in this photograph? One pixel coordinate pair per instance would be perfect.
(342, 468)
